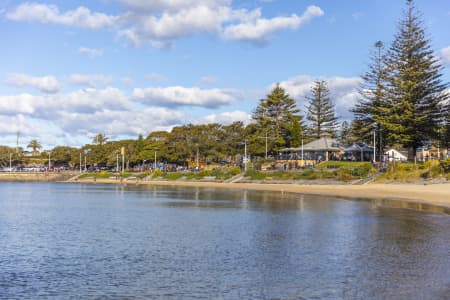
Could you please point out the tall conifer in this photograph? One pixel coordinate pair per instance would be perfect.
(320, 112)
(415, 90)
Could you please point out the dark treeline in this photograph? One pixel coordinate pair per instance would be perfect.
(403, 100)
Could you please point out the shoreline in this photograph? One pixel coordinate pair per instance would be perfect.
(430, 194)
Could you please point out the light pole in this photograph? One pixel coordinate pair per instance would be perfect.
(245, 155)
(196, 160)
(155, 160)
(303, 162)
(80, 163)
(374, 147)
(117, 161)
(10, 162)
(49, 154)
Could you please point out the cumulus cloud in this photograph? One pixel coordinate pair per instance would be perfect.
(182, 96)
(161, 30)
(46, 84)
(71, 117)
(172, 5)
(90, 80)
(44, 13)
(92, 53)
(343, 91)
(258, 29)
(160, 22)
(227, 118)
(445, 54)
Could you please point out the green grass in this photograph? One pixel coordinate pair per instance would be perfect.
(101, 175)
(410, 172)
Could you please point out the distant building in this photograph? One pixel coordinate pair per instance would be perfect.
(323, 149)
(396, 155)
(358, 152)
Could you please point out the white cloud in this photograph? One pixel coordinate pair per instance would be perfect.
(343, 91)
(445, 54)
(114, 122)
(260, 29)
(227, 118)
(92, 53)
(182, 96)
(46, 84)
(160, 22)
(172, 5)
(161, 30)
(90, 80)
(79, 17)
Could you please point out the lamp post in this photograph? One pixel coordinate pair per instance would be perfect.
(80, 163)
(10, 162)
(374, 147)
(117, 161)
(49, 164)
(245, 155)
(155, 160)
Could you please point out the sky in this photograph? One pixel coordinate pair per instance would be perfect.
(72, 69)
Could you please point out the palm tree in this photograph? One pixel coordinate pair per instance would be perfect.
(34, 144)
(99, 139)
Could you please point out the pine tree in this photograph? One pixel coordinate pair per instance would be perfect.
(277, 115)
(345, 133)
(321, 113)
(373, 107)
(415, 91)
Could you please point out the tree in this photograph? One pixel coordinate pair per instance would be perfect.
(373, 107)
(278, 116)
(345, 133)
(99, 139)
(320, 112)
(416, 91)
(35, 145)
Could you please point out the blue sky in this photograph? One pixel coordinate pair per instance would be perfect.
(72, 69)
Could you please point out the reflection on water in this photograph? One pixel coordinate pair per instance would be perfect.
(80, 241)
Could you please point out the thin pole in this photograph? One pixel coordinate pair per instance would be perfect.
(49, 154)
(155, 160)
(117, 162)
(266, 145)
(123, 162)
(80, 162)
(196, 159)
(85, 168)
(10, 162)
(374, 147)
(245, 155)
(303, 163)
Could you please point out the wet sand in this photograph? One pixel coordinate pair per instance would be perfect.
(433, 194)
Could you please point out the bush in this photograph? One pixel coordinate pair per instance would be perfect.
(157, 173)
(172, 176)
(255, 175)
(445, 165)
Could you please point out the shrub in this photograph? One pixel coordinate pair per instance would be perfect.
(255, 175)
(157, 173)
(172, 176)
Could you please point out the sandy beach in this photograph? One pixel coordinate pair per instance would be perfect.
(433, 194)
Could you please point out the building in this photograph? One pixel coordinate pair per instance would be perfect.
(323, 149)
(358, 152)
(396, 155)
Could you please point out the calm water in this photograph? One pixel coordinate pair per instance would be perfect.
(63, 241)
